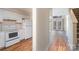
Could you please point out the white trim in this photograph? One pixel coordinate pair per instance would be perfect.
(34, 30)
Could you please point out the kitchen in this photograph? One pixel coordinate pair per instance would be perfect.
(15, 29)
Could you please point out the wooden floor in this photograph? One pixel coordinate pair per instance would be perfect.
(60, 43)
(24, 45)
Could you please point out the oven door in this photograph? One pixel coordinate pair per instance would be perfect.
(11, 36)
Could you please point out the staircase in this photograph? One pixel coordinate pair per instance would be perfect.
(76, 12)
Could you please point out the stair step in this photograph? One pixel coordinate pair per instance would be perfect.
(77, 35)
(77, 42)
(77, 28)
(77, 25)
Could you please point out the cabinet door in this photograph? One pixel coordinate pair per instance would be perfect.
(28, 29)
(2, 41)
(29, 32)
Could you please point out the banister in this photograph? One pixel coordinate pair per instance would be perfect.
(74, 19)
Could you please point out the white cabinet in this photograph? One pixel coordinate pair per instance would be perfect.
(27, 28)
(21, 34)
(19, 21)
(12, 42)
(2, 40)
(28, 32)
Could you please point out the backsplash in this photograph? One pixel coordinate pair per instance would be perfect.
(9, 28)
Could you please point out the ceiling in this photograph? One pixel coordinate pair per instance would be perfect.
(23, 11)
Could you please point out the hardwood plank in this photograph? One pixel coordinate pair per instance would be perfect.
(24, 45)
(59, 44)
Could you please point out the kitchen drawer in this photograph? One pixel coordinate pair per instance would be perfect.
(12, 42)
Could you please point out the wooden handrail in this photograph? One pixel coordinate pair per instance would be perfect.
(74, 19)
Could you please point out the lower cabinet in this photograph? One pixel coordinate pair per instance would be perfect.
(26, 31)
(2, 40)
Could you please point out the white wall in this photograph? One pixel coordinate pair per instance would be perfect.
(69, 30)
(68, 22)
(60, 11)
(42, 29)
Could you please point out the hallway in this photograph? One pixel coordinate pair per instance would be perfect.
(60, 42)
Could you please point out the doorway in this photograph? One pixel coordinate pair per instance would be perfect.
(58, 23)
